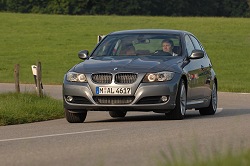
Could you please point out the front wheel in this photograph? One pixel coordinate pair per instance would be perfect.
(75, 117)
(178, 113)
(117, 114)
(211, 109)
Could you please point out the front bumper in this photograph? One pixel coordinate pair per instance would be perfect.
(145, 97)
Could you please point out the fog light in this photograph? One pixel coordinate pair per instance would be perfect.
(69, 98)
(164, 98)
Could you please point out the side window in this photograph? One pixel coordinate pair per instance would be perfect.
(196, 43)
(189, 45)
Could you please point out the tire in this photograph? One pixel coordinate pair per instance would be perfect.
(75, 117)
(178, 113)
(117, 114)
(212, 108)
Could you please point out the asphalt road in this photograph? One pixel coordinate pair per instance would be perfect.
(137, 139)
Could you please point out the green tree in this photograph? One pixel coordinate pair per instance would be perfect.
(233, 8)
(2, 5)
(78, 7)
(228, 8)
(22, 6)
(58, 7)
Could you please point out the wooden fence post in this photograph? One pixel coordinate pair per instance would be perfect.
(39, 79)
(16, 76)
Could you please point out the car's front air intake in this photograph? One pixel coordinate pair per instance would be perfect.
(120, 78)
(102, 78)
(113, 100)
(125, 78)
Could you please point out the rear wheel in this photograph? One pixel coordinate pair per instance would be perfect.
(75, 117)
(178, 113)
(117, 114)
(211, 109)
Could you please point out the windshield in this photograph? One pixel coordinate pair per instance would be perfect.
(139, 44)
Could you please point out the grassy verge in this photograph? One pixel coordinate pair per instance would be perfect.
(229, 159)
(55, 40)
(27, 107)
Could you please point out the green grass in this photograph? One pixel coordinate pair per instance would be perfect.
(229, 159)
(55, 41)
(18, 108)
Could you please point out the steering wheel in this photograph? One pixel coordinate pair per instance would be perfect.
(160, 52)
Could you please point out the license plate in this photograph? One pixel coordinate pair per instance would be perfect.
(113, 90)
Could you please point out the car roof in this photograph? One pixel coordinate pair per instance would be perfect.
(150, 31)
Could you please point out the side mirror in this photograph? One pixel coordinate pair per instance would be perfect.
(197, 54)
(84, 54)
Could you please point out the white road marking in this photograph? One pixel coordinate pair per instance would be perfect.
(55, 135)
(52, 135)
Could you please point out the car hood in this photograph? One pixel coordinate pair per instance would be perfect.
(128, 64)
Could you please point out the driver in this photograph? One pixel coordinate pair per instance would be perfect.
(167, 46)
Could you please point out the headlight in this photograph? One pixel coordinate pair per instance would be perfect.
(76, 77)
(158, 77)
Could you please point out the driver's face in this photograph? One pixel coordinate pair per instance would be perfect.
(166, 47)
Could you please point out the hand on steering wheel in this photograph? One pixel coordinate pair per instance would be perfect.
(160, 52)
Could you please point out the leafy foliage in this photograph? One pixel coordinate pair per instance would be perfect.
(228, 8)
